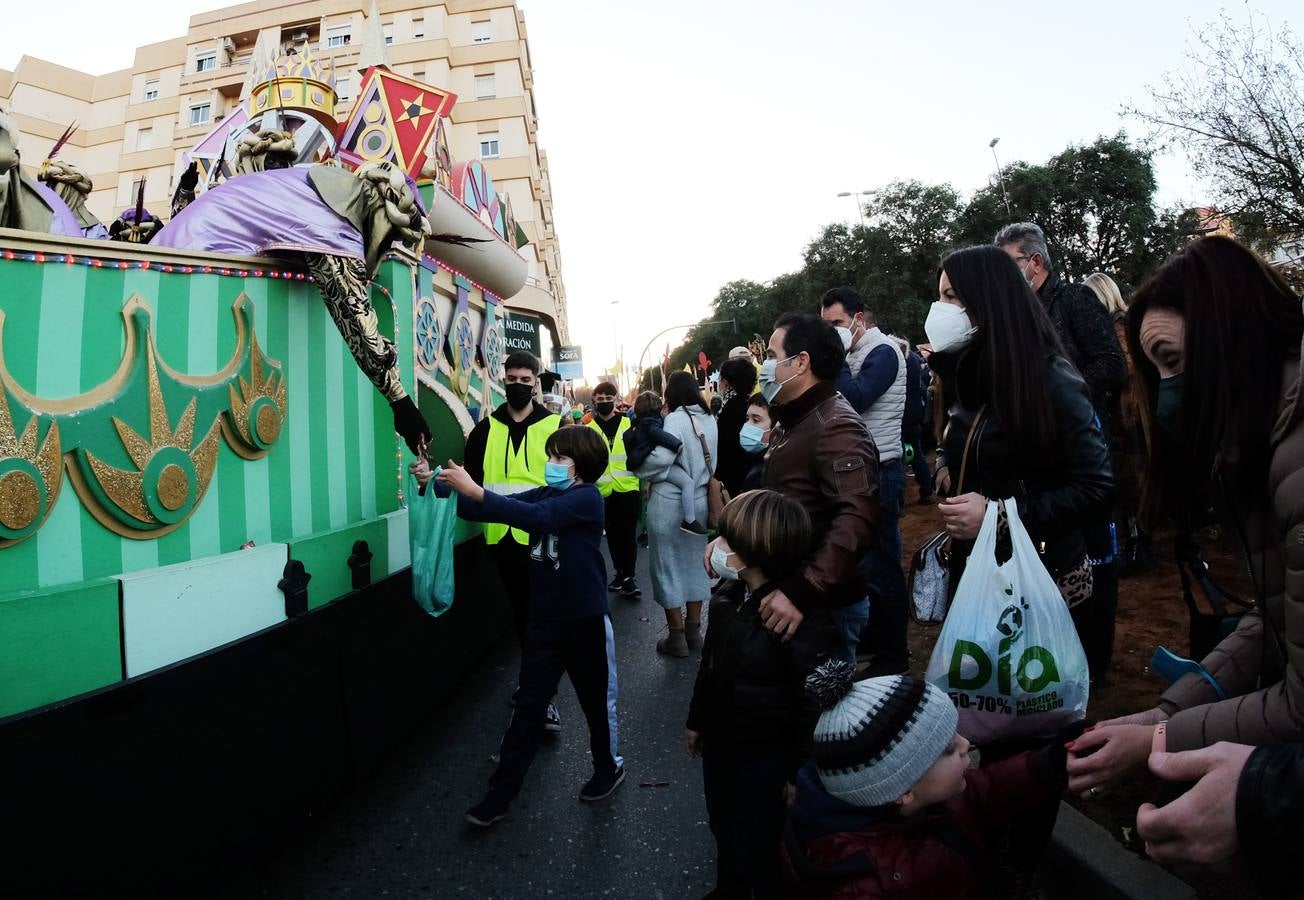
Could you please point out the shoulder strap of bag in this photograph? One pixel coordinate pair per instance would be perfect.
(968, 442)
(701, 440)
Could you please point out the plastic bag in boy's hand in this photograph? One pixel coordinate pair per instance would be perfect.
(432, 523)
(1008, 654)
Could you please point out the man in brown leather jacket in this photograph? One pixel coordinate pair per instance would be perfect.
(821, 456)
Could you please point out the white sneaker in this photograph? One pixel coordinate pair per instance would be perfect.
(552, 720)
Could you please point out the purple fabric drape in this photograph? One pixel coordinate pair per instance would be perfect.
(259, 214)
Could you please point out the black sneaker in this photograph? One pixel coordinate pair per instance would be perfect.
(629, 588)
(601, 786)
(552, 720)
(491, 809)
(692, 528)
(616, 583)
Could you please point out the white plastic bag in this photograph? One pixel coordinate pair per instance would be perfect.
(1008, 655)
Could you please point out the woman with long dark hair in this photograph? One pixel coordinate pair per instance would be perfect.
(1021, 423)
(1216, 337)
(679, 583)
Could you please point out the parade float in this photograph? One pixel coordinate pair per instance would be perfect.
(206, 628)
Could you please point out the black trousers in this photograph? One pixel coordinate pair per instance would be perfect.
(746, 809)
(1094, 617)
(585, 650)
(512, 560)
(622, 523)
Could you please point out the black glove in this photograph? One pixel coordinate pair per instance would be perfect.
(409, 423)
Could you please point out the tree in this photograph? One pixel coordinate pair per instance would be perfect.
(1236, 107)
(1095, 203)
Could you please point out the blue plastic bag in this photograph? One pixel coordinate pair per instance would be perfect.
(432, 520)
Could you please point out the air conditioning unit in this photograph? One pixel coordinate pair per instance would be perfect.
(299, 37)
(228, 45)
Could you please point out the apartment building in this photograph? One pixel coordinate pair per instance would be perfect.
(136, 123)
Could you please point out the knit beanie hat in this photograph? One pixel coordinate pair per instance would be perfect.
(876, 738)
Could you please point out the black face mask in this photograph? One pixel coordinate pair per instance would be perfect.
(604, 408)
(520, 396)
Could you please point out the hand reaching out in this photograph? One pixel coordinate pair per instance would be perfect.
(456, 477)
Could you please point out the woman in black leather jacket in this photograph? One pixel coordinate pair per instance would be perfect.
(1023, 411)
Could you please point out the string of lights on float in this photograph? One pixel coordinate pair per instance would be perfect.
(148, 265)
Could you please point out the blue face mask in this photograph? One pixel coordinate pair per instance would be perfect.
(752, 438)
(558, 476)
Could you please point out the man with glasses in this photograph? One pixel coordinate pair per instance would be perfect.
(820, 455)
(1091, 343)
(1080, 319)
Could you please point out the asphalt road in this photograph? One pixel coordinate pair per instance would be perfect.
(400, 833)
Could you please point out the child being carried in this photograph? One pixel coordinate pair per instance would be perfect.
(649, 433)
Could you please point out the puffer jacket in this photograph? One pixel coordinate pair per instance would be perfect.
(1261, 664)
(821, 456)
(1057, 488)
(750, 688)
(836, 851)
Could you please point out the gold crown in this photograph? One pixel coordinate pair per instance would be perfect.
(297, 82)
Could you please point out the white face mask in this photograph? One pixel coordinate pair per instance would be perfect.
(845, 334)
(719, 562)
(769, 387)
(948, 327)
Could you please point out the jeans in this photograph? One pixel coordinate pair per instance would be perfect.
(850, 622)
(885, 634)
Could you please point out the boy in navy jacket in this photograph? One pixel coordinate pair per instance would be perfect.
(569, 628)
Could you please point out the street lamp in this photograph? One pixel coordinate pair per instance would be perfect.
(855, 199)
(1000, 173)
(615, 345)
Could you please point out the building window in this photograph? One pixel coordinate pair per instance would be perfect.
(200, 114)
(144, 138)
(206, 63)
(389, 35)
(338, 37)
(418, 28)
(489, 145)
(135, 190)
(482, 32)
(344, 87)
(484, 87)
(151, 90)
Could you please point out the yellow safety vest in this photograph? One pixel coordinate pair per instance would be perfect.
(512, 471)
(617, 478)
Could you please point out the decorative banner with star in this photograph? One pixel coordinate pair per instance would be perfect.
(393, 119)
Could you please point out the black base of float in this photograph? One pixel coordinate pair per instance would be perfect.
(167, 783)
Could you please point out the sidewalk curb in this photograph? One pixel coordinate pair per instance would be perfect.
(1083, 860)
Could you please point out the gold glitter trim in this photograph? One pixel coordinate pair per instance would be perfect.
(172, 487)
(46, 461)
(20, 500)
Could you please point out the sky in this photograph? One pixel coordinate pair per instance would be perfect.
(692, 144)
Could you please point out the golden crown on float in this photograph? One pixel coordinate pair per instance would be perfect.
(297, 82)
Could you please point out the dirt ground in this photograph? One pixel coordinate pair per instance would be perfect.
(1151, 613)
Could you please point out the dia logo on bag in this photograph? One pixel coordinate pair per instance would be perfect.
(1008, 654)
(1035, 670)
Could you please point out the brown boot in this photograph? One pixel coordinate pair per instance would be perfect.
(693, 635)
(674, 644)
